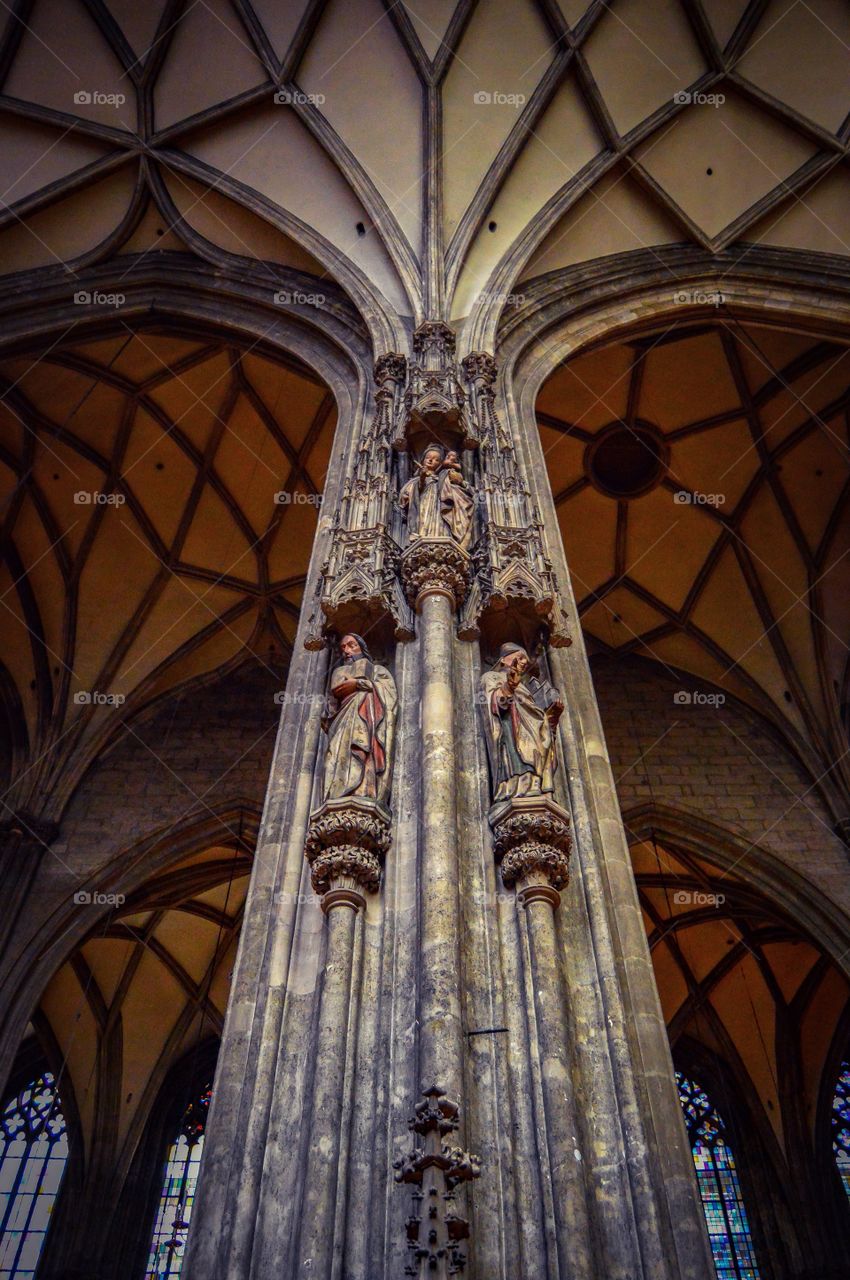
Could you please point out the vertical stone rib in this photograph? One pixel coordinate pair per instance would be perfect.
(573, 1231)
(318, 1211)
(440, 1033)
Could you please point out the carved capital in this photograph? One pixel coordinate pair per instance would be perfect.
(438, 565)
(345, 846)
(532, 844)
(435, 1169)
(27, 831)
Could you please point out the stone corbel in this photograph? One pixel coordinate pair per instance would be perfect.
(346, 843)
(437, 566)
(532, 845)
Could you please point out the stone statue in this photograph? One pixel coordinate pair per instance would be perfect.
(438, 501)
(521, 713)
(359, 719)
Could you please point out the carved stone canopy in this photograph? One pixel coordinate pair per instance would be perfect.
(532, 844)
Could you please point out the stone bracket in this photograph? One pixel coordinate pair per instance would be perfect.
(346, 843)
(532, 845)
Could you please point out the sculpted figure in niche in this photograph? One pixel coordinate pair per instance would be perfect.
(438, 502)
(521, 713)
(359, 719)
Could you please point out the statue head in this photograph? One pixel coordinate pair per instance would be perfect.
(514, 656)
(432, 458)
(352, 647)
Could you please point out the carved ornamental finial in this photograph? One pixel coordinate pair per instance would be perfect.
(435, 1169)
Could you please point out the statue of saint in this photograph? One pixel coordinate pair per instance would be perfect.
(438, 501)
(359, 719)
(521, 713)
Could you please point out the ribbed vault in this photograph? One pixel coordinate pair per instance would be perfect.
(555, 134)
(145, 543)
(701, 477)
(149, 984)
(742, 979)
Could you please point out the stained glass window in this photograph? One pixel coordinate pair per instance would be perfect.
(178, 1192)
(841, 1125)
(722, 1202)
(33, 1152)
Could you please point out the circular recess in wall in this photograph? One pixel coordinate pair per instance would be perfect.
(624, 461)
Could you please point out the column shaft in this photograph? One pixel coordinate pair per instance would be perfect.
(574, 1239)
(440, 1033)
(336, 1015)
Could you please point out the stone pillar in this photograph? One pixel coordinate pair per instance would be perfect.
(435, 576)
(346, 841)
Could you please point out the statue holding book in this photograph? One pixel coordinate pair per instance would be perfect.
(521, 713)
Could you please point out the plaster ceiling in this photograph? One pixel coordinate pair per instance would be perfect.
(557, 134)
(180, 560)
(739, 978)
(744, 584)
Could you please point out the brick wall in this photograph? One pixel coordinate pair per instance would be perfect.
(722, 763)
